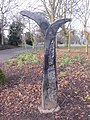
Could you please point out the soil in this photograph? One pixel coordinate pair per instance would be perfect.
(21, 95)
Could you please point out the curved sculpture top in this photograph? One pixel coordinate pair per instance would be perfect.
(50, 44)
(38, 18)
(55, 26)
(52, 30)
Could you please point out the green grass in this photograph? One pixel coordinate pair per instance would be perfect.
(24, 45)
(62, 46)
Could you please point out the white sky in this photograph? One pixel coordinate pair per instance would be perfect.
(35, 5)
(31, 5)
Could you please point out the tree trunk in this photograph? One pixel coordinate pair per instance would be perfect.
(69, 42)
(85, 25)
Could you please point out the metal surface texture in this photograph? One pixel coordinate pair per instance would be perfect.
(49, 82)
(38, 18)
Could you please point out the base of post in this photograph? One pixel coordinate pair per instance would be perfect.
(41, 110)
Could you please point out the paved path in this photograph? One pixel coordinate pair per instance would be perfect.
(10, 53)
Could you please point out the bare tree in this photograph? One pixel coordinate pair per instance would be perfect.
(57, 9)
(70, 25)
(85, 23)
(5, 7)
(83, 13)
(6, 13)
(52, 8)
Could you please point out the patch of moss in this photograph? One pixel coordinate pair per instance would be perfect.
(2, 78)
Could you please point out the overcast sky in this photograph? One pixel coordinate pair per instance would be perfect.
(35, 5)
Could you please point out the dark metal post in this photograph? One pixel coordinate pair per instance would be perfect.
(49, 84)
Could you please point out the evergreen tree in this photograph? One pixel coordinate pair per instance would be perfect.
(15, 33)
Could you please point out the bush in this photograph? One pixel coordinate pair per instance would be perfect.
(2, 78)
(66, 60)
(79, 58)
(29, 42)
(15, 33)
(27, 58)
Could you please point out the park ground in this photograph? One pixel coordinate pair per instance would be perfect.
(21, 94)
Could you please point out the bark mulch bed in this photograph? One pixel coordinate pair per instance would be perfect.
(20, 96)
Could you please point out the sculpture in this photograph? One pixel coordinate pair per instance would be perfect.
(49, 83)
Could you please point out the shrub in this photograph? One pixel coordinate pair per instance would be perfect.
(29, 42)
(2, 78)
(79, 58)
(28, 58)
(15, 33)
(66, 60)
